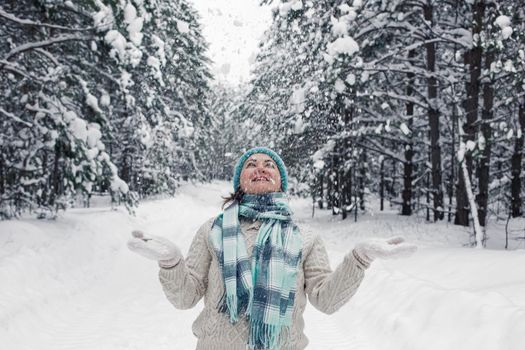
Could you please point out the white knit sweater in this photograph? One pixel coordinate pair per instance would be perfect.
(199, 276)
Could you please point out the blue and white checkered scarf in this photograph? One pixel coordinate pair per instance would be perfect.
(262, 288)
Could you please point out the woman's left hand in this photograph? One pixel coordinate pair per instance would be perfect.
(394, 247)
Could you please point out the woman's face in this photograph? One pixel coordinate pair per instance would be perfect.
(260, 174)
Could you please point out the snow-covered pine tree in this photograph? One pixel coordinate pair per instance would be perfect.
(516, 55)
(51, 146)
(287, 95)
(404, 85)
(164, 79)
(79, 76)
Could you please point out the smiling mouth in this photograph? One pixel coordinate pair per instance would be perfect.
(261, 178)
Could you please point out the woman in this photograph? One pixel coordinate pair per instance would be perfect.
(254, 266)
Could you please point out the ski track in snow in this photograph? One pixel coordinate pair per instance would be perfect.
(111, 298)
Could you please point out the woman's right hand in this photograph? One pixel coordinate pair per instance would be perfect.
(155, 248)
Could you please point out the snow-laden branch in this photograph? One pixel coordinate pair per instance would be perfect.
(48, 55)
(42, 110)
(504, 102)
(96, 68)
(401, 98)
(464, 40)
(44, 43)
(29, 22)
(380, 149)
(402, 68)
(386, 24)
(15, 118)
(15, 68)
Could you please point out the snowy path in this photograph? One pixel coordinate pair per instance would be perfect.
(73, 285)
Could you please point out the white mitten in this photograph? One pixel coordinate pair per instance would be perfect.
(390, 248)
(155, 248)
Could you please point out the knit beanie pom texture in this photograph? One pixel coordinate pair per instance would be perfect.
(272, 154)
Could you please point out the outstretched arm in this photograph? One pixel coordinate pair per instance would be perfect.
(185, 283)
(329, 290)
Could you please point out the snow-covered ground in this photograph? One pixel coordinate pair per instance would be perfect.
(72, 283)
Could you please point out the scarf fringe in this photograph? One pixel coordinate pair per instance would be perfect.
(231, 302)
(264, 336)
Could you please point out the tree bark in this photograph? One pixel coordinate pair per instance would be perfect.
(452, 163)
(516, 165)
(362, 180)
(382, 185)
(320, 193)
(433, 119)
(406, 195)
(484, 162)
(471, 104)
(392, 189)
(346, 181)
(57, 176)
(2, 178)
(329, 190)
(478, 233)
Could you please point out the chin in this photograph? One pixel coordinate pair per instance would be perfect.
(260, 190)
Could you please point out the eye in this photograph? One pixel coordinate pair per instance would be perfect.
(270, 165)
(250, 165)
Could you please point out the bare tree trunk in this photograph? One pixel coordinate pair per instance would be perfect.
(362, 180)
(433, 118)
(473, 60)
(45, 193)
(428, 195)
(347, 189)
(320, 193)
(516, 165)
(341, 190)
(346, 181)
(354, 181)
(452, 162)
(2, 177)
(484, 163)
(336, 193)
(329, 190)
(57, 176)
(382, 185)
(392, 189)
(406, 195)
(477, 228)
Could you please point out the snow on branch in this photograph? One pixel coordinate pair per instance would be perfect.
(14, 117)
(44, 43)
(380, 149)
(48, 55)
(15, 68)
(377, 25)
(28, 22)
(401, 98)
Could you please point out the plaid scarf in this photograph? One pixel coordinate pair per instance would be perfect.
(264, 288)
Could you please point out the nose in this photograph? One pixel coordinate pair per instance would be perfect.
(260, 170)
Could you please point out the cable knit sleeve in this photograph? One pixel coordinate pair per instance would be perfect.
(185, 283)
(329, 290)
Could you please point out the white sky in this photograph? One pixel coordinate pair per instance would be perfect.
(233, 29)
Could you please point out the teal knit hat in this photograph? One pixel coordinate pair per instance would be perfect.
(268, 152)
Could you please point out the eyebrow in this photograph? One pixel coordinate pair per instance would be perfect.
(254, 160)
